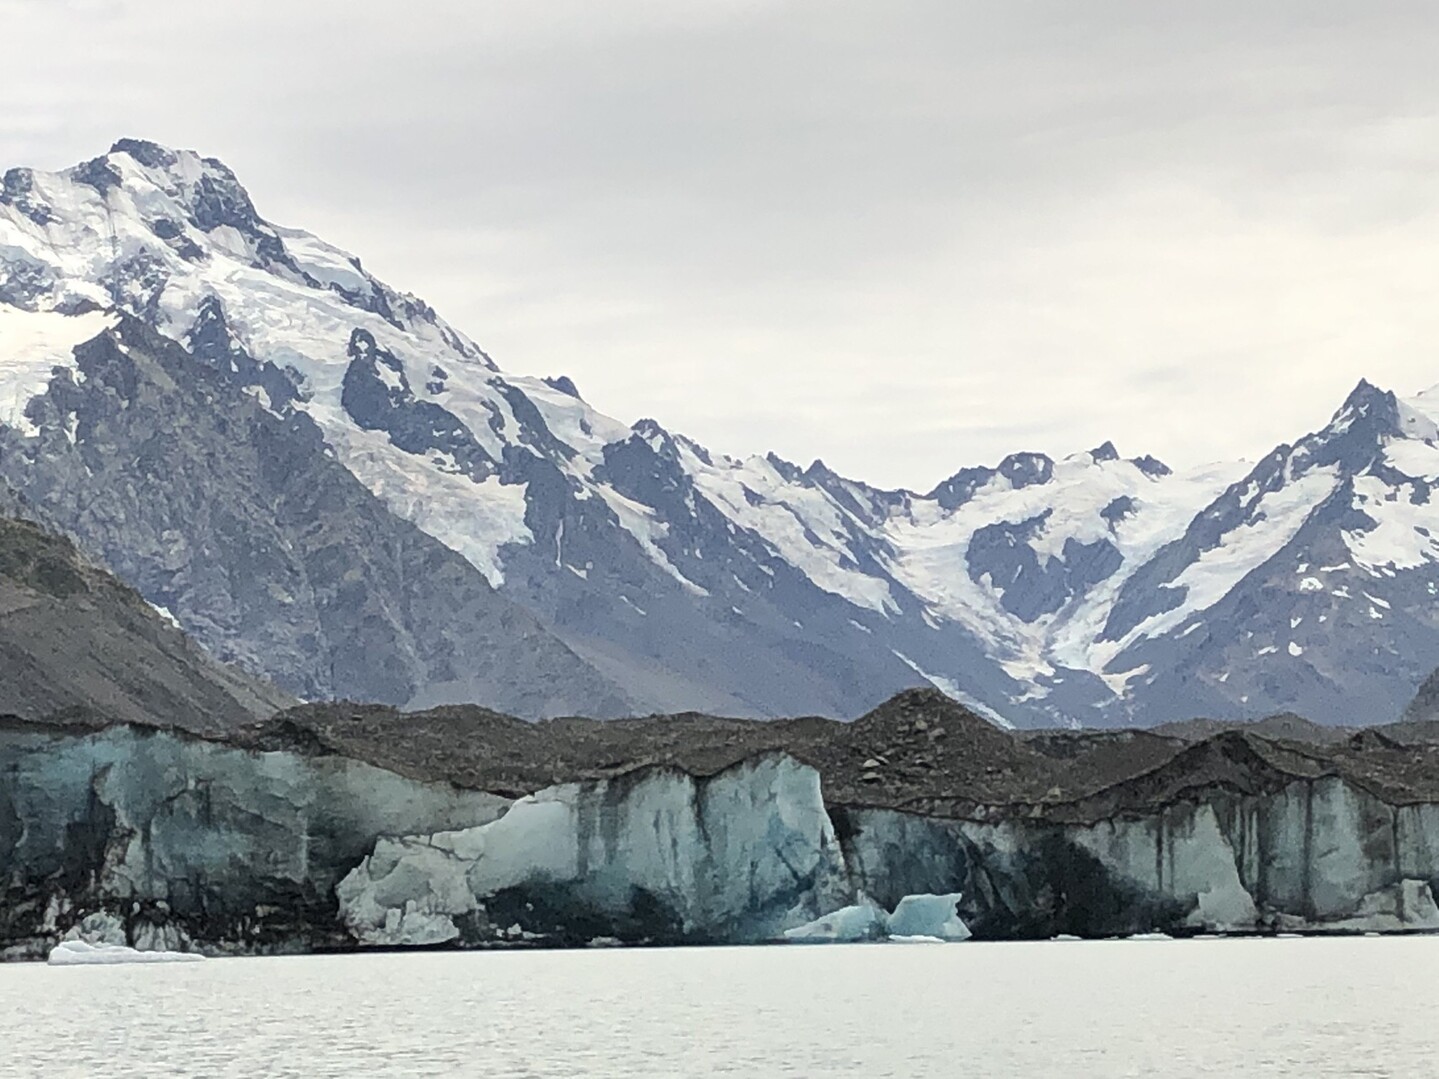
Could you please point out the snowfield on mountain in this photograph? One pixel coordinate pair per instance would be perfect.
(594, 566)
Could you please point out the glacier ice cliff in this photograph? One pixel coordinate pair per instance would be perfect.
(184, 841)
(162, 840)
(653, 855)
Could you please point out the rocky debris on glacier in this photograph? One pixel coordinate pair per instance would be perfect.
(919, 751)
(337, 827)
(1284, 727)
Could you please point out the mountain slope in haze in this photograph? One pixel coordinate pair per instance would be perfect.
(1094, 589)
(73, 640)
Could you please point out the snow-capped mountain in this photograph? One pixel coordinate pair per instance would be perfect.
(1308, 587)
(648, 572)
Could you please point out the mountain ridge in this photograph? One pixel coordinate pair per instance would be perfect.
(1091, 589)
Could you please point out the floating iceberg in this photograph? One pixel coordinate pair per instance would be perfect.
(928, 916)
(848, 925)
(76, 953)
(917, 919)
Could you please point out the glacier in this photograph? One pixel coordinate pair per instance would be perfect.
(162, 841)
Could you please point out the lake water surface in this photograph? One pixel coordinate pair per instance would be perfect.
(1349, 1007)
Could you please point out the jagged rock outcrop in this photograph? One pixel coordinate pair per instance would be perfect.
(1425, 705)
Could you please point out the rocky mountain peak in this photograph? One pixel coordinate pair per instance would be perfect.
(211, 189)
(564, 384)
(1104, 452)
(1355, 439)
(1027, 469)
(1367, 405)
(1152, 466)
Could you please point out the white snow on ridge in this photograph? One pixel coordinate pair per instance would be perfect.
(325, 263)
(1209, 579)
(474, 519)
(1425, 405)
(569, 419)
(281, 317)
(1405, 534)
(32, 345)
(640, 522)
(931, 550)
(755, 496)
(277, 316)
(1401, 537)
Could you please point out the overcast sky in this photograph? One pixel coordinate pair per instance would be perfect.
(901, 236)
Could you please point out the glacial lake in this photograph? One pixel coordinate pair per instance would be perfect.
(1333, 1007)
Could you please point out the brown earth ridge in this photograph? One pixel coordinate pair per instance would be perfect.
(919, 752)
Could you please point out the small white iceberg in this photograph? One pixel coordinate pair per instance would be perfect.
(933, 916)
(918, 919)
(848, 925)
(76, 953)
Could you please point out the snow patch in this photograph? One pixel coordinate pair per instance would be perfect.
(32, 345)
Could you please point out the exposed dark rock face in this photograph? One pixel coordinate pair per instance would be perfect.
(1425, 705)
(1029, 586)
(378, 397)
(236, 518)
(212, 342)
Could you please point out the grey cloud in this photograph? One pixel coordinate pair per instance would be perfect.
(903, 237)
